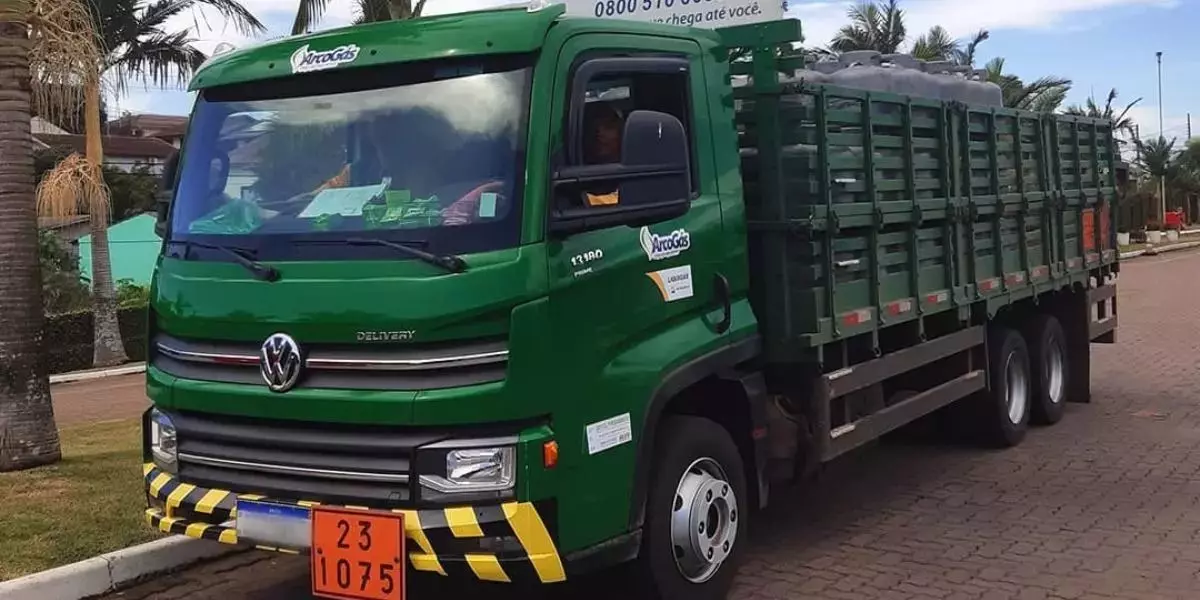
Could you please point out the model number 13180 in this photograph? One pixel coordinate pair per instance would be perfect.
(586, 257)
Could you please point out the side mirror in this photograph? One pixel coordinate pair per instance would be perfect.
(166, 190)
(653, 179)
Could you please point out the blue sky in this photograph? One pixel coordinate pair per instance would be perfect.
(1099, 44)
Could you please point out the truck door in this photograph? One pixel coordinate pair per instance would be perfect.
(628, 301)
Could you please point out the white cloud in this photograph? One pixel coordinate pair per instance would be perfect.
(821, 19)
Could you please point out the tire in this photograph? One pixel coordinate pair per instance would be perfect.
(1003, 411)
(694, 457)
(1049, 366)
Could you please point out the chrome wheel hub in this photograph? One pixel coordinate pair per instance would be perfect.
(704, 520)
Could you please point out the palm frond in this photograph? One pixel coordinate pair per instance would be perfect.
(234, 13)
(935, 45)
(308, 14)
(875, 26)
(162, 60)
(966, 55)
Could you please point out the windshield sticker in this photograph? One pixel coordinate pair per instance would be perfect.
(609, 433)
(658, 247)
(305, 60)
(346, 202)
(487, 205)
(674, 283)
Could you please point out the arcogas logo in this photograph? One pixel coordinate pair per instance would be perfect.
(305, 60)
(658, 247)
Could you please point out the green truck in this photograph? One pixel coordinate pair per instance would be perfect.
(516, 295)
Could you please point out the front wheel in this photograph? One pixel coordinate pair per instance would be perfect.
(696, 512)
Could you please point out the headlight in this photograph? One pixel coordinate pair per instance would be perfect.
(474, 470)
(163, 442)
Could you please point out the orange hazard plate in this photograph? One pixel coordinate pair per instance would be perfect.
(357, 554)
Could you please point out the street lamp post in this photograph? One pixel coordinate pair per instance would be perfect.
(1162, 182)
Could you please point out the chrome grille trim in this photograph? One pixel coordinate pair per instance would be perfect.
(318, 361)
(291, 470)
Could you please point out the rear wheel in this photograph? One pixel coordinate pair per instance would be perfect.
(1050, 369)
(695, 512)
(1003, 411)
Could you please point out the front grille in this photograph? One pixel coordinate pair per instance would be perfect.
(331, 366)
(288, 459)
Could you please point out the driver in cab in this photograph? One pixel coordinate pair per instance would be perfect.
(604, 125)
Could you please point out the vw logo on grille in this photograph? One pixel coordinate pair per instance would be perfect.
(281, 362)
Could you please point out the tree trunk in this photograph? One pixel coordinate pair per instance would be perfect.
(108, 349)
(28, 435)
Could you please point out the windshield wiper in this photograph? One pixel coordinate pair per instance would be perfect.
(258, 270)
(448, 262)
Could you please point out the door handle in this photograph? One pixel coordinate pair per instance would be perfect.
(721, 291)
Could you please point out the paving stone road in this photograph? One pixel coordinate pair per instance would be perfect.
(1104, 505)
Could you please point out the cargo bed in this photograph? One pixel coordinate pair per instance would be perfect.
(867, 210)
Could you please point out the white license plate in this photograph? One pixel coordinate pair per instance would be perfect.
(271, 524)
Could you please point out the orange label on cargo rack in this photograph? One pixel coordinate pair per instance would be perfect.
(357, 554)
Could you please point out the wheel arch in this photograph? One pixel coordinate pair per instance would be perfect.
(700, 387)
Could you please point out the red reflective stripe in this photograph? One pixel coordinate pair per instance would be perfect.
(899, 307)
(937, 297)
(857, 317)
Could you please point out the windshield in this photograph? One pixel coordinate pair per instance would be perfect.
(429, 153)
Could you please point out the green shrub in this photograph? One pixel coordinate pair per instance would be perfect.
(132, 295)
(69, 337)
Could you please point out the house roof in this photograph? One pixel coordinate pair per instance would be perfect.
(39, 125)
(119, 146)
(149, 125)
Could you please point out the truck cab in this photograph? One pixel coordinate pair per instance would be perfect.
(456, 269)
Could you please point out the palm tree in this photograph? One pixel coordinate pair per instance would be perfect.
(310, 12)
(140, 46)
(877, 26)
(966, 56)
(1121, 121)
(1155, 156)
(40, 41)
(935, 45)
(1045, 94)
(1156, 161)
(136, 45)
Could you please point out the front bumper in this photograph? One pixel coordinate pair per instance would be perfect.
(447, 540)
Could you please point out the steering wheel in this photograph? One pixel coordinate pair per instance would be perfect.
(495, 186)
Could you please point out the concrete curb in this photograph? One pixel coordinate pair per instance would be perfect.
(1171, 248)
(107, 572)
(1152, 251)
(97, 374)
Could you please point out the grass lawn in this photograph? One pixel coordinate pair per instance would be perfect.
(88, 504)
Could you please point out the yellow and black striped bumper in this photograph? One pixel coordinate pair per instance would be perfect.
(447, 540)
